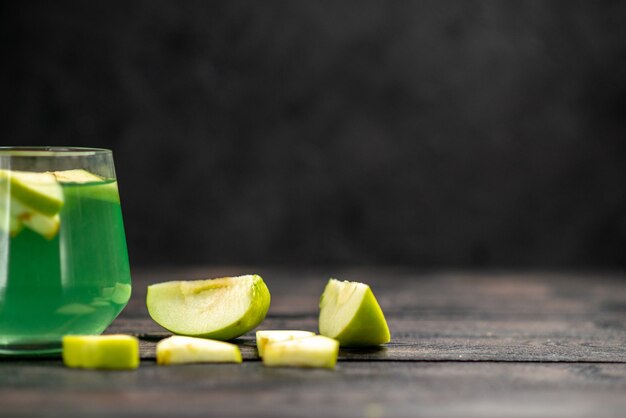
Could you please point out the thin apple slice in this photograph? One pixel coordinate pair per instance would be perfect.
(181, 350)
(45, 225)
(271, 336)
(101, 351)
(316, 351)
(121, 293)
(39, 191)
(75, 309)
(76, 176)
(221, 309)
(350, 314)
(100, 188)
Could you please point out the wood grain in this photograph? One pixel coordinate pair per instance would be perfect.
(354, 389)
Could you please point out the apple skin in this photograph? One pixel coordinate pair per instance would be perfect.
(368, 327)
(260, 305)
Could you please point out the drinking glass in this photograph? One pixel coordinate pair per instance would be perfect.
(63, 257)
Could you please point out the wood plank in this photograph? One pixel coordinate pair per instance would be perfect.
(354, 389)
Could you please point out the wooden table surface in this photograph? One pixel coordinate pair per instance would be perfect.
(463, 344)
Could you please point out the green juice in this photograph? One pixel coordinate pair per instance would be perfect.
(75, 282)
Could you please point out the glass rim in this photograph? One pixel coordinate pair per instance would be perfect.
(50, 151)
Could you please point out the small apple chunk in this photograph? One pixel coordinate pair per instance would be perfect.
(350, 314)
(271, 336)
(181, 350)
(101, 351)
(316, 351)
(221, 309)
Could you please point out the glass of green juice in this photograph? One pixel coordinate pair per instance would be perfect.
(63, 257)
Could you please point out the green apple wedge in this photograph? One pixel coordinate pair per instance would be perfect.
(181, 350)
(39, 191)
(106, 188)
(350, 314)
(45, 225)
(316, 351)
(101, 351)
(271, 336)
(221, 309)
(76, 176)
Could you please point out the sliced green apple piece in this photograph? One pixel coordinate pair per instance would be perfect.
(271, 336)
(75, 309)
(101, 188)
(39, 191)
(121, 293)
(316, 351)
(101, 351)
(181, 350)
(44, 225)
(220, 309)
(350, 314)
(76, 176)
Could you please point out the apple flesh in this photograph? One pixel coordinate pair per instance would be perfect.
(221, 309)
(271, 336)
(316, 351)
(181, 350)
(350, 314)
(101, 351)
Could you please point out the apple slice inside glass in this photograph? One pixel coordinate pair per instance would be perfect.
(221, 309)
(182, 350)
(39, 191)
(350, 314)
(271, 336)
(316, 351)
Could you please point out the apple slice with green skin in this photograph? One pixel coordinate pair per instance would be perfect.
(44, 225)
(121, 293)
(350, 314)
(39, 191)
(104, 189)
(271, 336)
(76, 176)
(101, 351)
(221, 309)
(316, 351)
(182, 350)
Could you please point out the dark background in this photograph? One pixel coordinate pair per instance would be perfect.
(438, 133)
